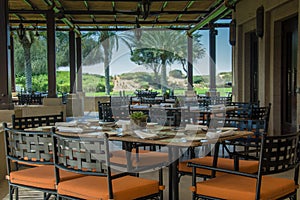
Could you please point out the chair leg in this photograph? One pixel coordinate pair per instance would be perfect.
(11, 192)
(47, 196)
(17, 193)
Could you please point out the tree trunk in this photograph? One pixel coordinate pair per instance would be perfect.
(155, 70)
(28, 69)
(106, 71)
(163, 79)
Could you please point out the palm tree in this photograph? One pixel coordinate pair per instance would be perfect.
(108, 40)
(198, 50)
(160, 43)
(168, 46)
(26, 38)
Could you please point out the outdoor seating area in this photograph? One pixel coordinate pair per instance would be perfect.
(81, 151)
(158, 100)
(110, 150)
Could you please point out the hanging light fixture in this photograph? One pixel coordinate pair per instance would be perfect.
(146, 8)
(138, 31)
(21, 31)
(232, 32)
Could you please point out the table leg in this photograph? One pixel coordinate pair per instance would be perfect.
(216, 155)
(173, 176)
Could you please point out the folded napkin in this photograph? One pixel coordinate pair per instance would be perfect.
(121, 122)
(226, 133)
(144, 135)
(194, 127)
(213, 134)
(217, 134)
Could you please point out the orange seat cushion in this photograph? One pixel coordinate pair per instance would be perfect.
(41, 177)
(239, 187)
(95, 187)
(247, 166)
(141, 159)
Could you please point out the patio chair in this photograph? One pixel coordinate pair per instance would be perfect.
(91, 157)
(248, 166)
(36, 121)
(249, 147)
(138, 160)
(31, 148)
(261, 113)
(105, 112)
(278, 154)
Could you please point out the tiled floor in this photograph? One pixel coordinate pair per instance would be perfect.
(184, 187)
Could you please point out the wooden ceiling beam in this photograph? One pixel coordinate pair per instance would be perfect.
(135, 1)
(105, 12)
(109, 22)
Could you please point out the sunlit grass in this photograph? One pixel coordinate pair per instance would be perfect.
(179, 92)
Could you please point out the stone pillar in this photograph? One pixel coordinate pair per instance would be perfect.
(79, 64)
(74, 105)
(12, 63)
(212, 60)
(5, 75)
(190, 62)
(51, 61)
(72, 62)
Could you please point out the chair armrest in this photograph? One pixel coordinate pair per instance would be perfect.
(196, 165)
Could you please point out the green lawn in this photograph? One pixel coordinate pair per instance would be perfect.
(223, 92)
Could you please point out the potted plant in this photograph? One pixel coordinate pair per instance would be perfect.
(138, 120)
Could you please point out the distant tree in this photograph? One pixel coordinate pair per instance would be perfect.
(176, 73)
(157, 49)
(198, 79)
(62, 48)
(149, 59)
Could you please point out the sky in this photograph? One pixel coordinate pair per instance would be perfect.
(121, 59)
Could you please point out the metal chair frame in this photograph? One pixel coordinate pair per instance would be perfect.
(27, 148)
(277, 154)
(87, 156)
(35, 121)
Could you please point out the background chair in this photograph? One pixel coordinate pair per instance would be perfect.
(105, 112)
(91, 157)
(36, 121)
(30, 148)
(278, 154)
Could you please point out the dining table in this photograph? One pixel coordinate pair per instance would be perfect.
(174, 145)
(171, 138)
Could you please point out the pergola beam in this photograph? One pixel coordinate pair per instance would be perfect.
(131, 0)
(106, 12)
(219, 12)
(88, 28)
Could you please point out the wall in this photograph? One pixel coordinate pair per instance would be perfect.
(269, 54)
(5, 116)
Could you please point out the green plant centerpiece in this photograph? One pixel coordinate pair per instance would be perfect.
(138, 120)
